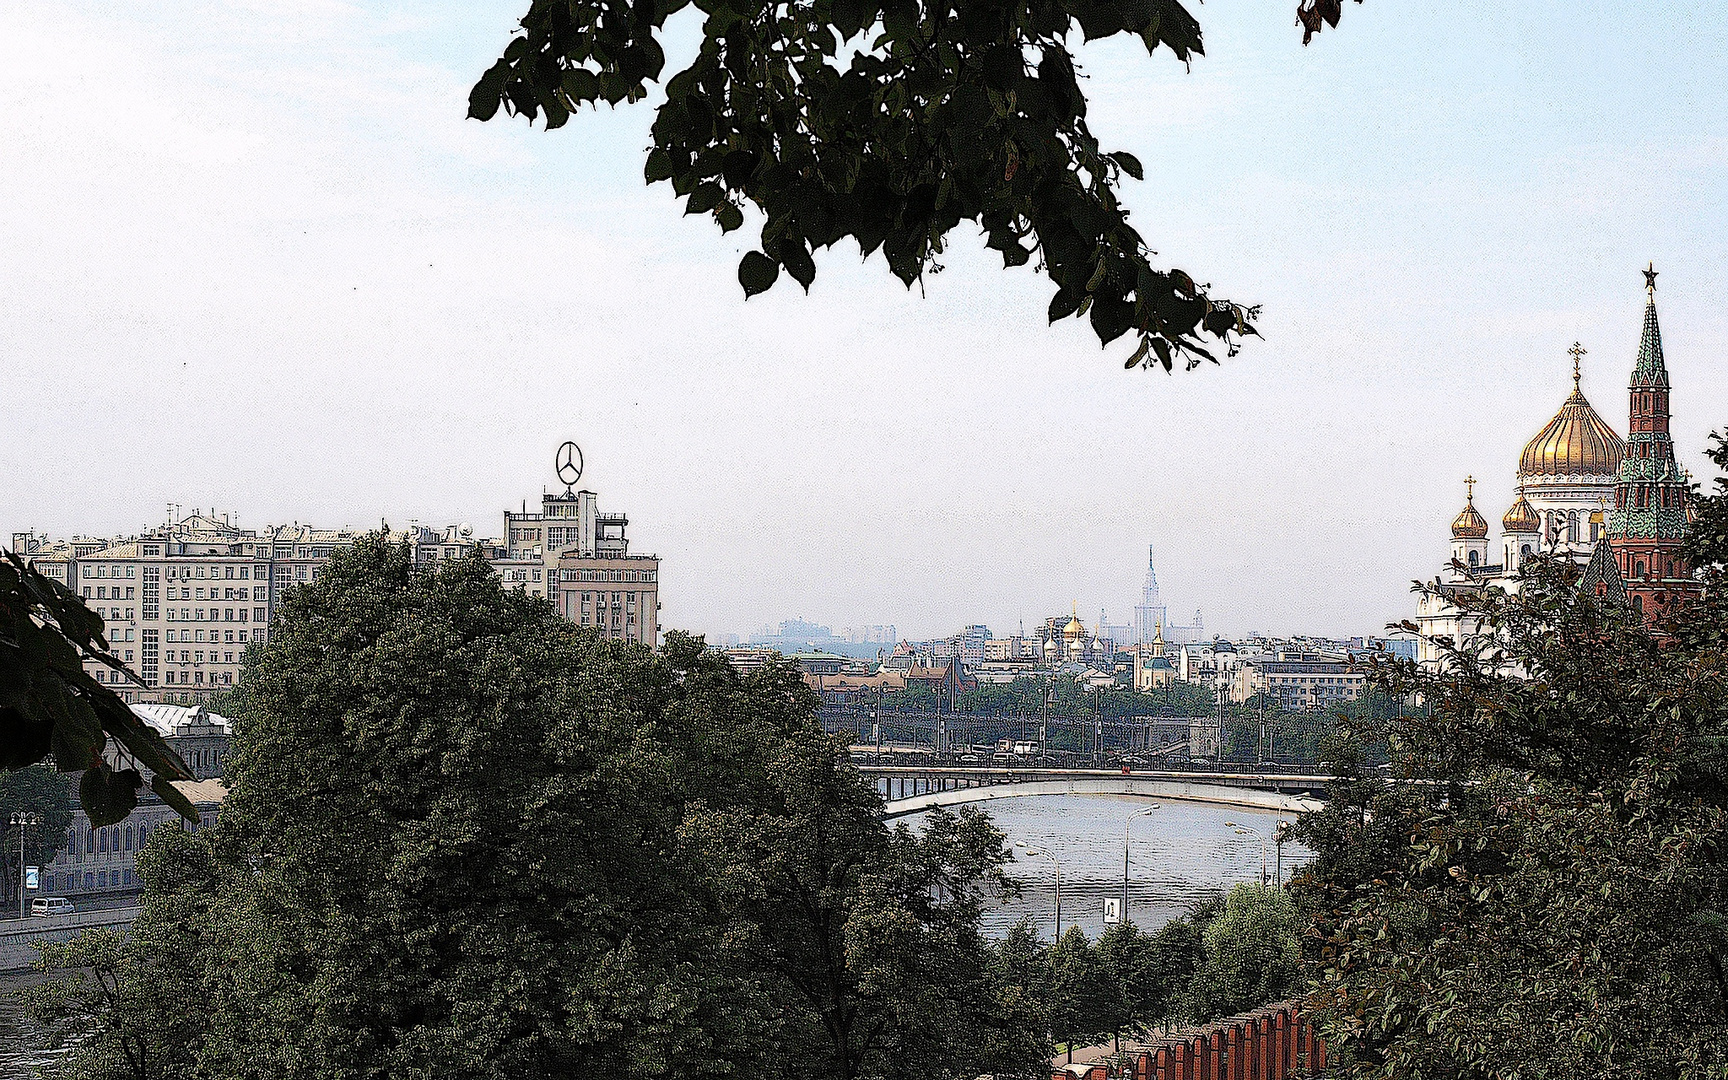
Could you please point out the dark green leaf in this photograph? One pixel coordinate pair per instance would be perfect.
(757, 273)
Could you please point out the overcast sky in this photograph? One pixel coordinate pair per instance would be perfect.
(253, 258)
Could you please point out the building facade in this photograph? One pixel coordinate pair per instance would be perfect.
(98, 860)
(181, 601)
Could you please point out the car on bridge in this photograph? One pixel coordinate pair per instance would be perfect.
(50, 905)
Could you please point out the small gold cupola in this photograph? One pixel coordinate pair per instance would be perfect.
(1522, 518)
(1469, 524)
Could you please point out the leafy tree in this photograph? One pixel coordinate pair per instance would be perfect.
(1539, 889)
(51, 707)
(1252, 956)
(467, 838)
(889, 122)
(1020, 966)
(1080, 1004)
(1175, 951)
(36, 790)
(1125, 963)
(118, 1008)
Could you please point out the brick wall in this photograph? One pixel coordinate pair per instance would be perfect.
(1271, 1043)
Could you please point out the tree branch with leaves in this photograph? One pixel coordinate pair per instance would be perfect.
(51, 707)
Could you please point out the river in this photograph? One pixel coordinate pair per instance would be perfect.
(1176, 854)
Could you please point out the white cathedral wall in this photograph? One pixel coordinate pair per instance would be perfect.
(1581, 495)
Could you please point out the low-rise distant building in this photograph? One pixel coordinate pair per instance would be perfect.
(1299, 681)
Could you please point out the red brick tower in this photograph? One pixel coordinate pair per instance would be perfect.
(1648, 523)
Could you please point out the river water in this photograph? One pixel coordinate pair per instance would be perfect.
(1176, 854)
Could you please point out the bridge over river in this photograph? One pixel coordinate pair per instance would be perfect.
(910, 789)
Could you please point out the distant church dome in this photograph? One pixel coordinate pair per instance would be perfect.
(1577, 442)
(1074, 629)
(1469, 525)
(1522, 518)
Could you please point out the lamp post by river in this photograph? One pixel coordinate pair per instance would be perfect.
(1249, 830)
(1280, 832)
(19, 821)
(1036, 851)
(1129, 820)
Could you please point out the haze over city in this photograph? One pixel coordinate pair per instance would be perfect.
(262, 264)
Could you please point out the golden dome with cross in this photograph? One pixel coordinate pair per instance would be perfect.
(1577, 442)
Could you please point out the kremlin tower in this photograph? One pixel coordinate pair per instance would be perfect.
(1647, 526)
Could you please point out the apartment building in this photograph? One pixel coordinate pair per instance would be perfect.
(579, 558)
(182, 600)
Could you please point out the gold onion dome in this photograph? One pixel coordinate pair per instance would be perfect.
(1469, 525)
(1522, 518)
(1074, 628)
(1577, 442)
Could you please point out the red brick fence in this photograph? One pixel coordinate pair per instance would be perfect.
(1272, 1043)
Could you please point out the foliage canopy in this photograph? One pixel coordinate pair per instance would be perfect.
(889, 122)
(465, 837)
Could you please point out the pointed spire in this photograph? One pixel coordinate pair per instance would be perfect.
(1650, 370)
(1602, 580)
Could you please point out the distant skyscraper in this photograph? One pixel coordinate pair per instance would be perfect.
(1149, 612)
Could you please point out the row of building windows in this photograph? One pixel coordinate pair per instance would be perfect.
(608, 575)
(113, 838)
(93, 879)
(215, 614)
(196, 678)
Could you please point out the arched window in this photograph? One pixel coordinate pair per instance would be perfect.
(128, 838)
(1638, 568)
(1638, 605)
(102, 841)
(89, 841)
(143, 830)
(1572, 527)
(1524, 550)
(1472, 558)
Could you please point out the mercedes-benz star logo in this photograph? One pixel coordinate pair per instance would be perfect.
(569, 464)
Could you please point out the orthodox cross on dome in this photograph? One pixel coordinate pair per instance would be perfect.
(1577, 353)
(1469, 489)
(1650, 273)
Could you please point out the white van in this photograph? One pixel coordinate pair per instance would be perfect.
(50, 905)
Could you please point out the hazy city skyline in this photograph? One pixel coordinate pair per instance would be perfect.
(279, 274)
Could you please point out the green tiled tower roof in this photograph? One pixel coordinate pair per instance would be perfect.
(1650, 370)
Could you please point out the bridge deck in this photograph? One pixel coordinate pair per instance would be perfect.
(911, 789)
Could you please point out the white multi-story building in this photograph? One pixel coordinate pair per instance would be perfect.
(182, 601)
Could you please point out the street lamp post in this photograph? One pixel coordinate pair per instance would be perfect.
(19, 821)
(1249, 830)
(1035, 851)
(1280, 832)
(1129, 820)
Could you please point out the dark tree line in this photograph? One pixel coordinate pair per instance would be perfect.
(1540, 886)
